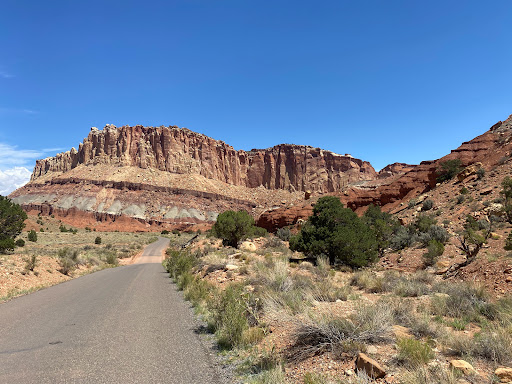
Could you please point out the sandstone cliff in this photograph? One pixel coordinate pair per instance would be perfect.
(491, 149)
(173, 176)
(181, 151)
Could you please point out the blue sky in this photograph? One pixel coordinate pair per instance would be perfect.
(385, 81)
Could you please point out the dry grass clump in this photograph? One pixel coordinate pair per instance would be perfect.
(463, 300)
(414, 285)
(413, 353)
(430, 375)
(316, 334)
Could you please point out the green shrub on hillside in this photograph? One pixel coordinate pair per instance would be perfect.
(233, 227)
(32, 236)
(338, 233)
(12, 219)
(448, 170)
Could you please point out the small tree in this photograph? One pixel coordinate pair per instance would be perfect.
(338, 233)
(471, 240)
(233, 227)
(12, 219)
(506, 191)
(448, 170)
(97, 240)
(383, 225)
(435, 249)
(32, 236)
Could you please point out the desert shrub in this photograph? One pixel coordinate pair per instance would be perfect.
(165, 232)
(506, 191)
(30, 262)
(271, 376)
(284, 233)
(20, 243)
(412, 352)
(412, 203)
(229, 316)
(253, 335)
(382, 224)
(427, 205)
(111, 257)
(406, 287)
(97, 240)
(460, 199)
(435, 249)
(12, 219)
(430, 375)
(464, 300)
(325, 290)
(402, 238)
(337, 232)
(273, 242)
(67, 259)
(480, 173)
(448, 170)
(32, 236)
(317, 334)
(178, 262)
(494, 344)
(233, 227)
(314, 378)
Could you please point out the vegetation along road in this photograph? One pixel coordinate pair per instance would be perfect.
(119, 325)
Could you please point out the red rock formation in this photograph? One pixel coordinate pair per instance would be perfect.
(489, 149)
(172, 176)
(181, 151)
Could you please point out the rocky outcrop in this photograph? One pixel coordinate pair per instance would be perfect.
(181, 151)
(173, 177)
(489, 149)
(394, 169)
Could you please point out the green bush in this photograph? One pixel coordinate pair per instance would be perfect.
(30, 262)
(12, 219)
(507, 194)
(233, 227)
(435, 249)
(383, 225)
(20, 243)
(427, 205)
(97, 240)
(338, 233)
(508, 242)
(413, 353)
(284, 233)
(68, 260)
(229, 316)
(179, 262)
(448, 170)
(32, 236)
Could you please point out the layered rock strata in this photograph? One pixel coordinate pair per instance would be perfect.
(168, 175)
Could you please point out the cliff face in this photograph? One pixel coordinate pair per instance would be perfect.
(401, 182)
(181, 151)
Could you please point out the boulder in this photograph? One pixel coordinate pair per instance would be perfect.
(248, 246)
(468, 171)
(504, 374)
(370, 366)
(401, 332)
(463, 366)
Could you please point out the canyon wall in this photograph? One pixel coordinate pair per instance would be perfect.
(181, 151)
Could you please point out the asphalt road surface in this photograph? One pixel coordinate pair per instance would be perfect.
(120, 325)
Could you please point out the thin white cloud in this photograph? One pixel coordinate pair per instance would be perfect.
(11, 156)
(25, 111)
(12, 179)
(5, 75)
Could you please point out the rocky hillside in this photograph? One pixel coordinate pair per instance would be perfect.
(392, 192)
(168, 175)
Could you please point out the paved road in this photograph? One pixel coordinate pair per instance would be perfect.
(119, 325)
